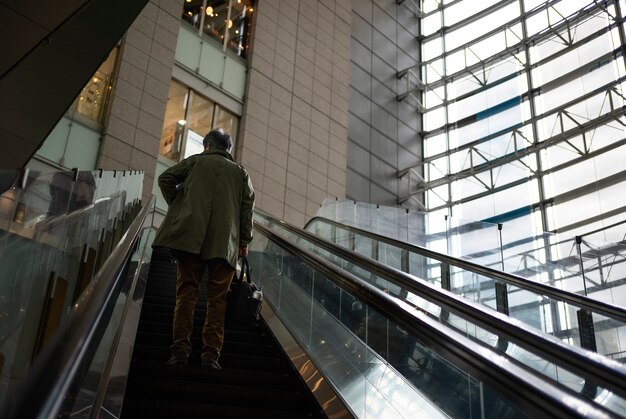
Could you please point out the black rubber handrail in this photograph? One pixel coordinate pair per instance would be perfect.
(42, 392)
(590, 366)
(535, 394)
(609, 310)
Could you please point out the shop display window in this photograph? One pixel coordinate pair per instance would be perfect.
(189, 116)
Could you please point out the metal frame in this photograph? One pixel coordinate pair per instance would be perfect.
(482, 164)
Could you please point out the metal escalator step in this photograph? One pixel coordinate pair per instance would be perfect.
(244, 336)
(152, 370)
(157, 409)
(213, 391)
(161, 354)
(231, 345)
(257, 380)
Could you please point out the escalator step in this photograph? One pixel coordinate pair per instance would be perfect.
(257, 380)
(213, 391)
(241, 335)
(151, 370)
(157, 409)
(230, 345)
(160, 354)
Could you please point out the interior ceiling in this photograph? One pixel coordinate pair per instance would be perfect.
(49, 50)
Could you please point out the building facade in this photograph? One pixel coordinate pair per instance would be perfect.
(508, 111)
(274, 74)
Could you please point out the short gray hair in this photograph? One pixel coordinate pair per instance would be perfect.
(218, 139)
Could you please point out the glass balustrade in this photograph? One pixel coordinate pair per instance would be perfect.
(575, 265)
(378, 368)
(56, 229)
(528, 307)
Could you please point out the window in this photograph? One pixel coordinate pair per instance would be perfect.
(230, 26)
(189, 116)
(92, 100)
(512, 73)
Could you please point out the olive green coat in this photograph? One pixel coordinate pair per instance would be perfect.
(210, 214)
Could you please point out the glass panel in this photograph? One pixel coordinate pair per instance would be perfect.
(537, 311)
(192, 12)
(377, 362)
(174, 121)
(227, 121)
(215, 19)
(92, 100)
(188, 118)
(63, 221)
(97, 373)
(571, 49)
(239, 27)
(200, 116)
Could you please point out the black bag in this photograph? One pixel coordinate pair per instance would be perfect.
(243, 301)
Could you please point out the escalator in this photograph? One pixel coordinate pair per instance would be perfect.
(590, 323)
(555, 360)
(339, 337)
(257, 380)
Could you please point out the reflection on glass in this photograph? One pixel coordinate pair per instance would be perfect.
(52, 232)
(189, 116)
(379, 369)
(217, 21)
(92, 100)
(228, 121)
(200, 114)
(239, 27)
(521, 255)
(174, 121)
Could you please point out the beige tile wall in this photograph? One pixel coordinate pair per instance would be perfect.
(135, 120)
(294, 129)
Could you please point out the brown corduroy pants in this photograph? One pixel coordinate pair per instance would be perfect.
(190, 268)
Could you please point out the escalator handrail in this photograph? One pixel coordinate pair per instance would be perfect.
(605, 309)
(589, 365)
(539, 396)
(42, 391)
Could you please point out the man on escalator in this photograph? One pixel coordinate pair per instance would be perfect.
(208, 224)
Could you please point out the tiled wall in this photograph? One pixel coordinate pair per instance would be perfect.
(382, 132)
(294, 129)
(135, 120)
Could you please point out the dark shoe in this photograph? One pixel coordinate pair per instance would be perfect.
(178, 361)
(211, 364)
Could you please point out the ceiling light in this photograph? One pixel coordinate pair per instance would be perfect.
(209, 11)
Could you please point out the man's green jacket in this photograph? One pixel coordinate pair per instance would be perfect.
(210, 200)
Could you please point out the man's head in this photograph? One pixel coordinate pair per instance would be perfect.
(217, 139)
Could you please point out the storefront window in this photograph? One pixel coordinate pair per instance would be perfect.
(174, 121)
(217, 21)
(200, 116)
(226, 120)
(92, 100)
(200, 121)
(189, 116)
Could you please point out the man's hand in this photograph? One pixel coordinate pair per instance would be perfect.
(243, 251)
